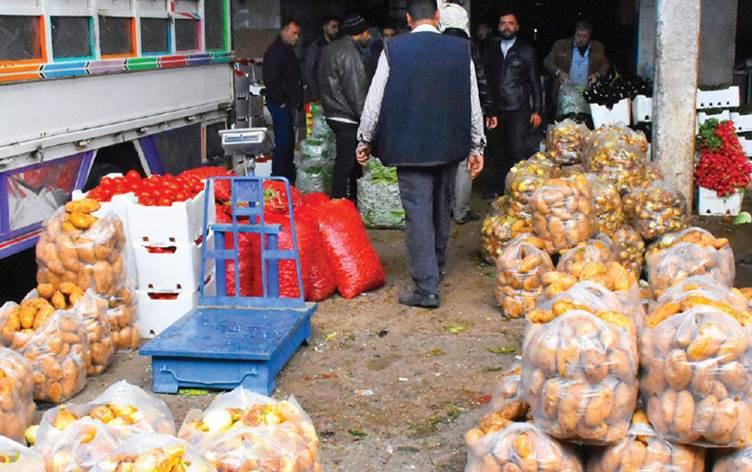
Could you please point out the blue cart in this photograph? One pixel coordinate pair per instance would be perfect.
(231, 341)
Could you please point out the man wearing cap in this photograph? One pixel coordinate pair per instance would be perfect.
(424, 116)
(343, 83)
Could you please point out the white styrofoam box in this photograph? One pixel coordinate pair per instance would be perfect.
(157, 314)
(743, 123)
(746, 145)
(602, 115)
(263, 168)
(709, 203)
(642, 109)
(182, 222)
(726, 98)
(702, 117)
(177, 270)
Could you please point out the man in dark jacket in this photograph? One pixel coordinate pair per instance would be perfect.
(344, 86)
(329, 32)
(429, 119)
(455, 22)
(512, 70)
(284, 95)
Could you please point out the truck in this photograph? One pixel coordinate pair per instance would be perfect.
(92, 87)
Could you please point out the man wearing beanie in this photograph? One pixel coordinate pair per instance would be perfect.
(424, 115)
(455, 22)
(343, 84)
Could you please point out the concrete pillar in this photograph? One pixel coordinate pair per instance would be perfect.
(676, 63)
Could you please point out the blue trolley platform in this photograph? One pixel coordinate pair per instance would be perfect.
(231, 341)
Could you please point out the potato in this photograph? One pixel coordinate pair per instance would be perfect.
(658, 210)
(518, 282)
(617, 155)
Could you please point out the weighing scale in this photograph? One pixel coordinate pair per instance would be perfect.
(229, 341)
(243, 145)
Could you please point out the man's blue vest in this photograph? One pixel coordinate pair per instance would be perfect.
(425, 114)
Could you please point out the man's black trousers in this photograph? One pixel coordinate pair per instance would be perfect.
(426, 194)
(508, 143)
(346, 169)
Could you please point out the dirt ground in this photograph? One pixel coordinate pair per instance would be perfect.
(391, 388)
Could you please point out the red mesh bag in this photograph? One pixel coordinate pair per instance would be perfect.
(275, 197)
(355, 263)
(318, 279)
(249, 260)
(316, 199)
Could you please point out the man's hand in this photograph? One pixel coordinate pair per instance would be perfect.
(492, 122)
(592, 78)
(536, 120)
(363, 153)
(475, 165)
(563, 77)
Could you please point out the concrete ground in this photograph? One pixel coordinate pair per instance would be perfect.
(391, 388)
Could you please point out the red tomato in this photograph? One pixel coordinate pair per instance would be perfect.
(181, 197)
(165, 201)
(146, 201)
(133, 175)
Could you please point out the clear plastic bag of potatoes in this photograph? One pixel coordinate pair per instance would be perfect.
(276, 448)
(732, 460)
(579, 375)
(16, 458)
(565, 141)
(622, 308)
(643, 451)
(122, 312)
(242, 408)
(80, 447)
(629, 248)
(54, 342)
(506, 406)
(693, 251)
(524, 179)
(519, 272)
(499, 228)
(607, 204)
(562, 212)
(93, 311)
(16, 395)
(518, 447)
(124, 409)
(658, 209)
(594, 250)
(617, 154)
(697, 378)
(154, 452)
(75, 246)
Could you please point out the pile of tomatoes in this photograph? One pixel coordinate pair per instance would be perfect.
(156, 190)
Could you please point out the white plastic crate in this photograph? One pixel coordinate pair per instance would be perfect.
(602, 115)
(642, 109)
(709, 203)
(743, 123)
(746, 146)
(157, 313)
(180, 223)
(263, 168)
(702, 117)
(726, 98)
(178, 269)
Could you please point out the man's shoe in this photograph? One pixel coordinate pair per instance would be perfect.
(419, 300)
(469, 216)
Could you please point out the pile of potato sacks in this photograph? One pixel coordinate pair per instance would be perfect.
(126, 429)
(619, 373)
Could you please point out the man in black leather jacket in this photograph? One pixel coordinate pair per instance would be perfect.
(343, 83)
(513, 77)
